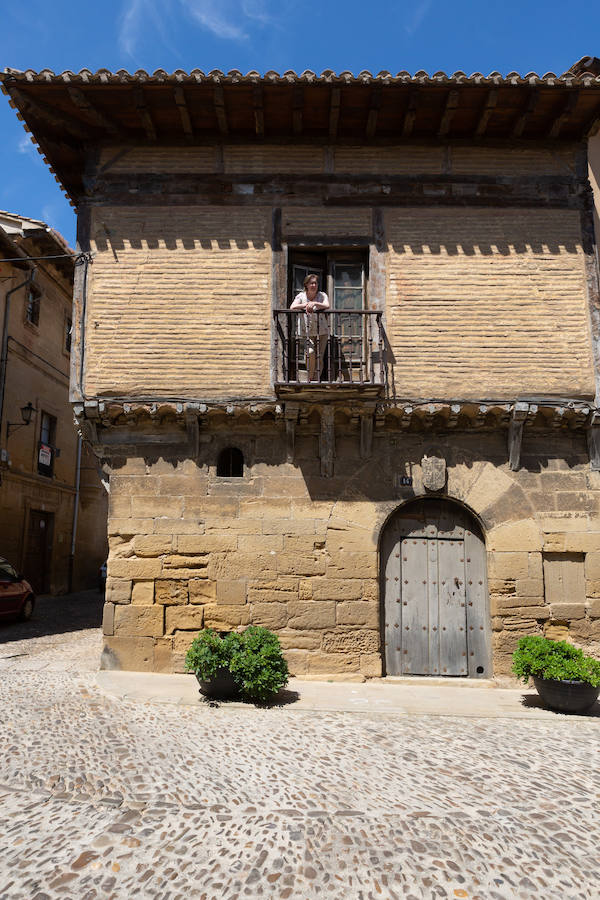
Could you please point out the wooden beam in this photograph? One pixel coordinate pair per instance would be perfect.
(186, 121)
(297, 108)
(259, 113)
(373, 112)
(519, 127)
(452, 101)
(219, 101)
(334, 112)
(486, 113)
(52, 115)
(564, 115)
(81, 101)
(144, 113)
(327, 441)
(411, 113)
(515, 434)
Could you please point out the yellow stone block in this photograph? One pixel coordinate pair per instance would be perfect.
(138, 569)
(143, 621)
(183, 618)
(152, 544)
(143, 593)
(271, 615)
(169, 593)
(230, 593)
(314, 614)
(132, 654)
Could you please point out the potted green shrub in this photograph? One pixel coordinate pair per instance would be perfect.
(249, 664)
(564, 677)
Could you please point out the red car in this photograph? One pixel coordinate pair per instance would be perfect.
(16, 595)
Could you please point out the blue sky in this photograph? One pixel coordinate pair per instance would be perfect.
(268, 34)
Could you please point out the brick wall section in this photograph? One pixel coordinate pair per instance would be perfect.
(190, 292)
(286, 549)
(487, 303)
(496, 296)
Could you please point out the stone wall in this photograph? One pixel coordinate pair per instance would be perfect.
(286, 548)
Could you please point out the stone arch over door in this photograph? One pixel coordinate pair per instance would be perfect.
(436, 617)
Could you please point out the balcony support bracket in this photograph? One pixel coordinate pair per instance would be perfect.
(366, 431)
(291, 420)
(515, 434)
(327, 441)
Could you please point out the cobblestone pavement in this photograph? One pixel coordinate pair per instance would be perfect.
(102, 798)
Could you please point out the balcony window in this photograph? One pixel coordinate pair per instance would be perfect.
(348, 337)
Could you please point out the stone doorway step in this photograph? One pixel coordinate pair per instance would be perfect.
(384, 696)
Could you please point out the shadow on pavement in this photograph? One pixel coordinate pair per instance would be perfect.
(533, 701)
(56, 615)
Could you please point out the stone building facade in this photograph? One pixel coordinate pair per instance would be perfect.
(436, 493)
(53, 507)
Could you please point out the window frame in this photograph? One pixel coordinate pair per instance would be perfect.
(33, 303)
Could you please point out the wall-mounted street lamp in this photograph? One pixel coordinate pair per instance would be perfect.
(26, 414)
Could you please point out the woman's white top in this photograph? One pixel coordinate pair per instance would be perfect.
(311, 324)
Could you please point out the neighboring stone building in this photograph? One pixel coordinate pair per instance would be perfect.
(436, 494)
(52, 504)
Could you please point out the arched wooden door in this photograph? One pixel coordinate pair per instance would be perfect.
(436, 611)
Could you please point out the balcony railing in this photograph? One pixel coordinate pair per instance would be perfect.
(351, 346)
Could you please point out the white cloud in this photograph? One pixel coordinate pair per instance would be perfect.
(417, 17)
(24, 145)
(225, 19)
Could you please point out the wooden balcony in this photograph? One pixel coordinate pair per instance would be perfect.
(351, 345)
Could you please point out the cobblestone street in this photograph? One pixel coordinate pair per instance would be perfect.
(113, 798)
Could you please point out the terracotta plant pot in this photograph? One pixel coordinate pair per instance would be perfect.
(567, 696)
(221, 686)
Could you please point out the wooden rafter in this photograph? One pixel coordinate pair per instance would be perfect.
(259, 112)
(334, 112)
(411, 113)
(219, 101)
(486, 113)
(184, 112)
(82, 101)
(534, 96)
(452, 101)
(49, 113)
(144, 113)
(298, 108)
(565, 114)
(374, 106)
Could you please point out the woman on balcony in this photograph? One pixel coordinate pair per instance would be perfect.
(312, 327)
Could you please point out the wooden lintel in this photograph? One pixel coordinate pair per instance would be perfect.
(52, 115)
(564, 115)
(411, 113)
(327, 441)
(519, 127)
(297, 109)
(373, 112)
(219, 101)
(452, 101)
(82, 101)
(366, 433)
(486, 113)
(515, 434)
(552, 192)
(334, 112)
(144, 113)
(259, 113)
(291, 418)
(184, 113)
